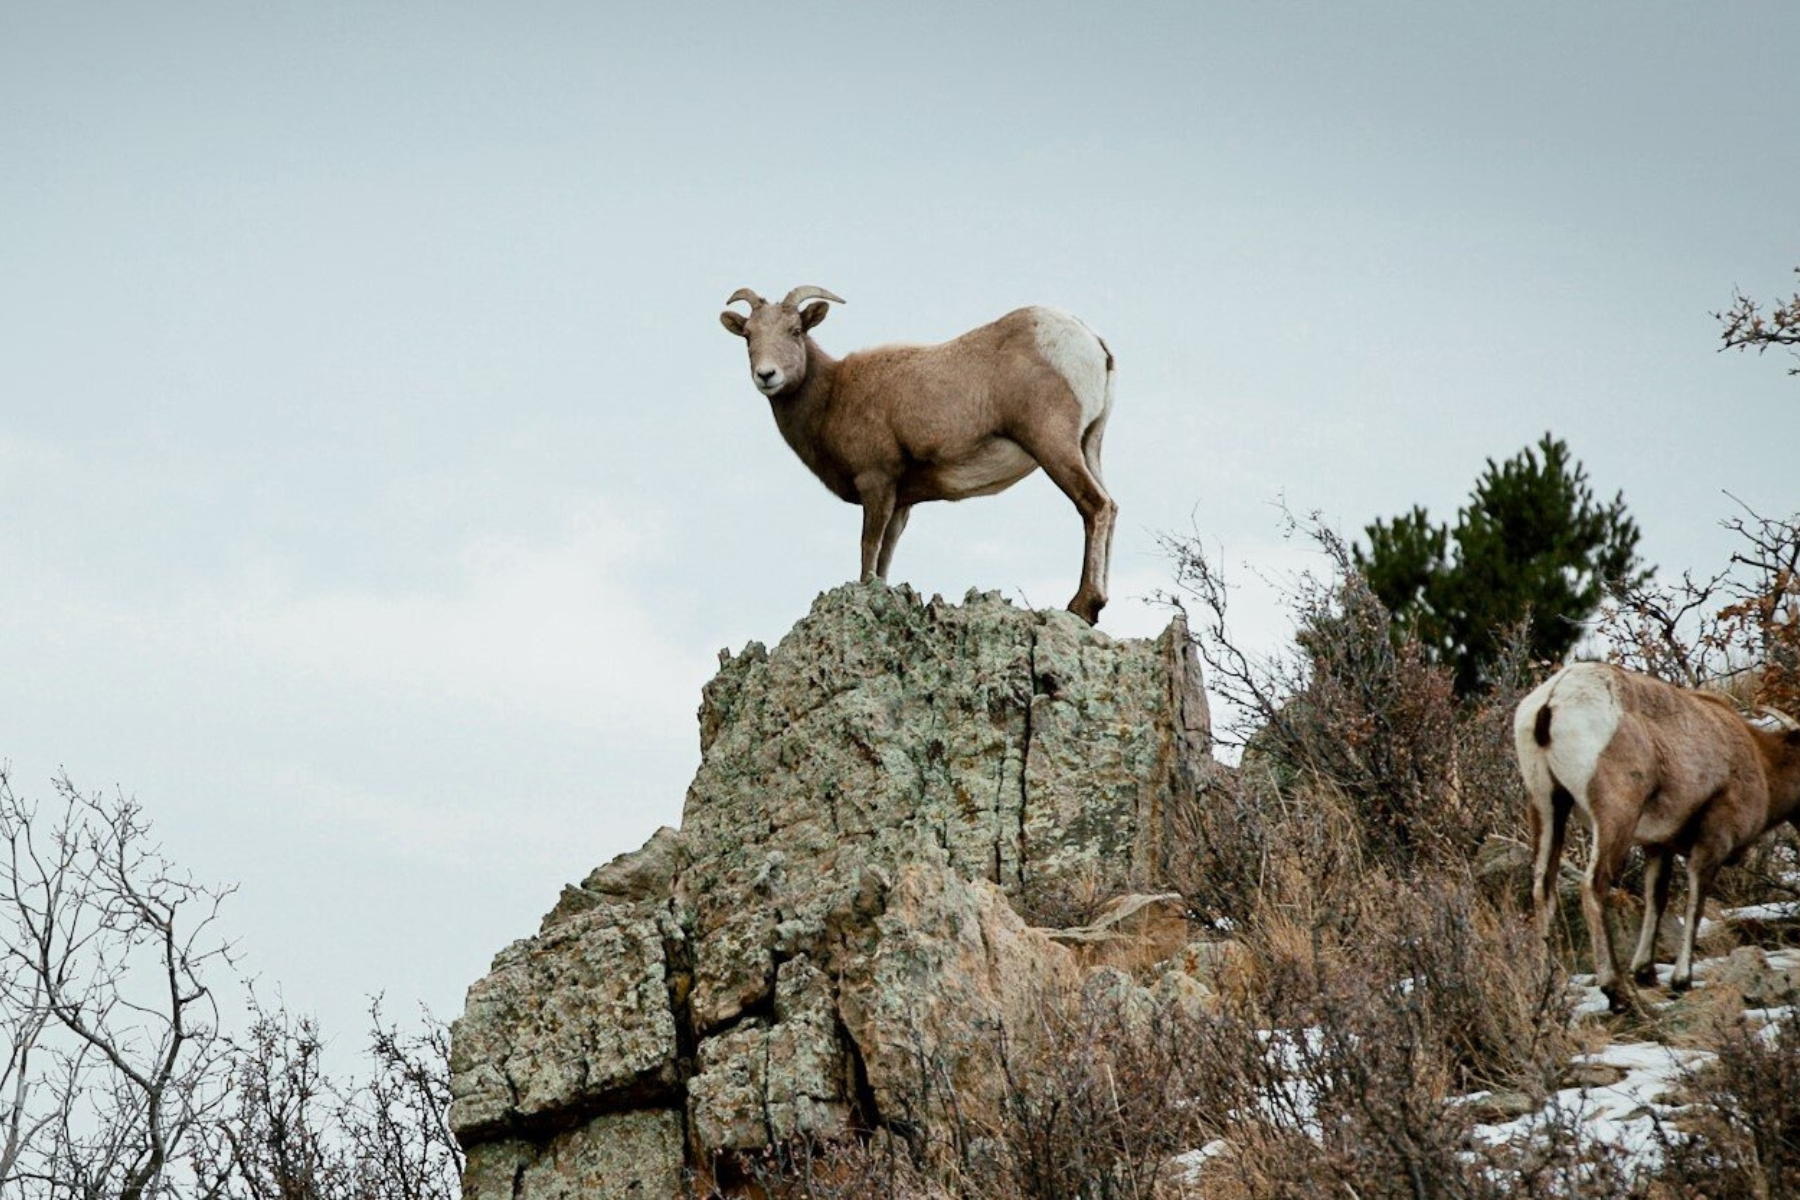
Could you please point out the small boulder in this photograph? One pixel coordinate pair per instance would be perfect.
(1762, 983)
(1132, 933)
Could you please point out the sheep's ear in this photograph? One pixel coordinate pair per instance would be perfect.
(813, 313)
(732, 321)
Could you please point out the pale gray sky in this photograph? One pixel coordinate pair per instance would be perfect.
(377, 485)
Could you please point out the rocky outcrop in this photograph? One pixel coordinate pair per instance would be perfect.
(876, 794)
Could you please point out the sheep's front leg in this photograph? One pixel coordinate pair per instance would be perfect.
(1704, 861)
(877, 493)
(895, 527)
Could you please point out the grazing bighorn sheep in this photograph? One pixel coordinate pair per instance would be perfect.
(1645, 762)
(890, 427)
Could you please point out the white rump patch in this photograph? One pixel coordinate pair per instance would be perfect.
(1075, 351)
(1584, 713)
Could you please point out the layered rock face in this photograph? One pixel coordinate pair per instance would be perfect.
(875, 796)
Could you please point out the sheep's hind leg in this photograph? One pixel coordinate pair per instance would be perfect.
(1549, 828)
(1612, 842)
(1067, 467)
(1091, 442)
(1657, 874)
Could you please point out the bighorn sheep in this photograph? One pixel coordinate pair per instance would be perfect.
(892, 426)
(1645, 762)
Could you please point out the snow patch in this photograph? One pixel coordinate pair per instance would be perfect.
(1621, 1116)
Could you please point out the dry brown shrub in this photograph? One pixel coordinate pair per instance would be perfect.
(1476, 985)
(1369, 1038)
(1246, 844)
(1069, 900)
(1356, 709)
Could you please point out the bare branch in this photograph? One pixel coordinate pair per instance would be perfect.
(1737, 631)
(103, 954)
(1748, 327)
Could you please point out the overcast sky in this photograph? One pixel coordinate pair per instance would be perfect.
(377, 485)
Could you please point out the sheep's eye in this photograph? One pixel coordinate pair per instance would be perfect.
(795, 331)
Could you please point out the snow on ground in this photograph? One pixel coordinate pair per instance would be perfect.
(1191, 1166)
(1768, 914)
(1621, 1115)
(1767, 1018)
(1780, 910)
(1588, 1000)
(1586, 997)
(1295, 1100)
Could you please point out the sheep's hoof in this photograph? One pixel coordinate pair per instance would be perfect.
(1087, 608)
(1681, 983)
(1618, 999)
(1645, 976)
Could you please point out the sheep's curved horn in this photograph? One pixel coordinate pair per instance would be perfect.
(755, 300)
(810, 292)
(1779, 717)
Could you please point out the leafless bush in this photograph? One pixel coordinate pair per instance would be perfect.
(1068, 900)
(291, 1131)
(1252, 853)
(109, 1018)
(1357, 706)
(877, 1167)
(1475, 986)
(1365, 1042)
(1117, 1089)
(116, 1078)
(279, 1135)
(1737, 631)
(401, 1132)
(1220, 842)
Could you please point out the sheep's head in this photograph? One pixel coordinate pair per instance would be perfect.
(776, 334)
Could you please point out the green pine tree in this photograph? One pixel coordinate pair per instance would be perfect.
(1532, 544)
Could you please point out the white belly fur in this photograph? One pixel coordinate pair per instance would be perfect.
(1000, 463)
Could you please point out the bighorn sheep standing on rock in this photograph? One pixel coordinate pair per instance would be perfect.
(892, 426)
(1645, 762)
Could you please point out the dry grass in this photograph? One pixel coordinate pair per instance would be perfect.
(1070, 900)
